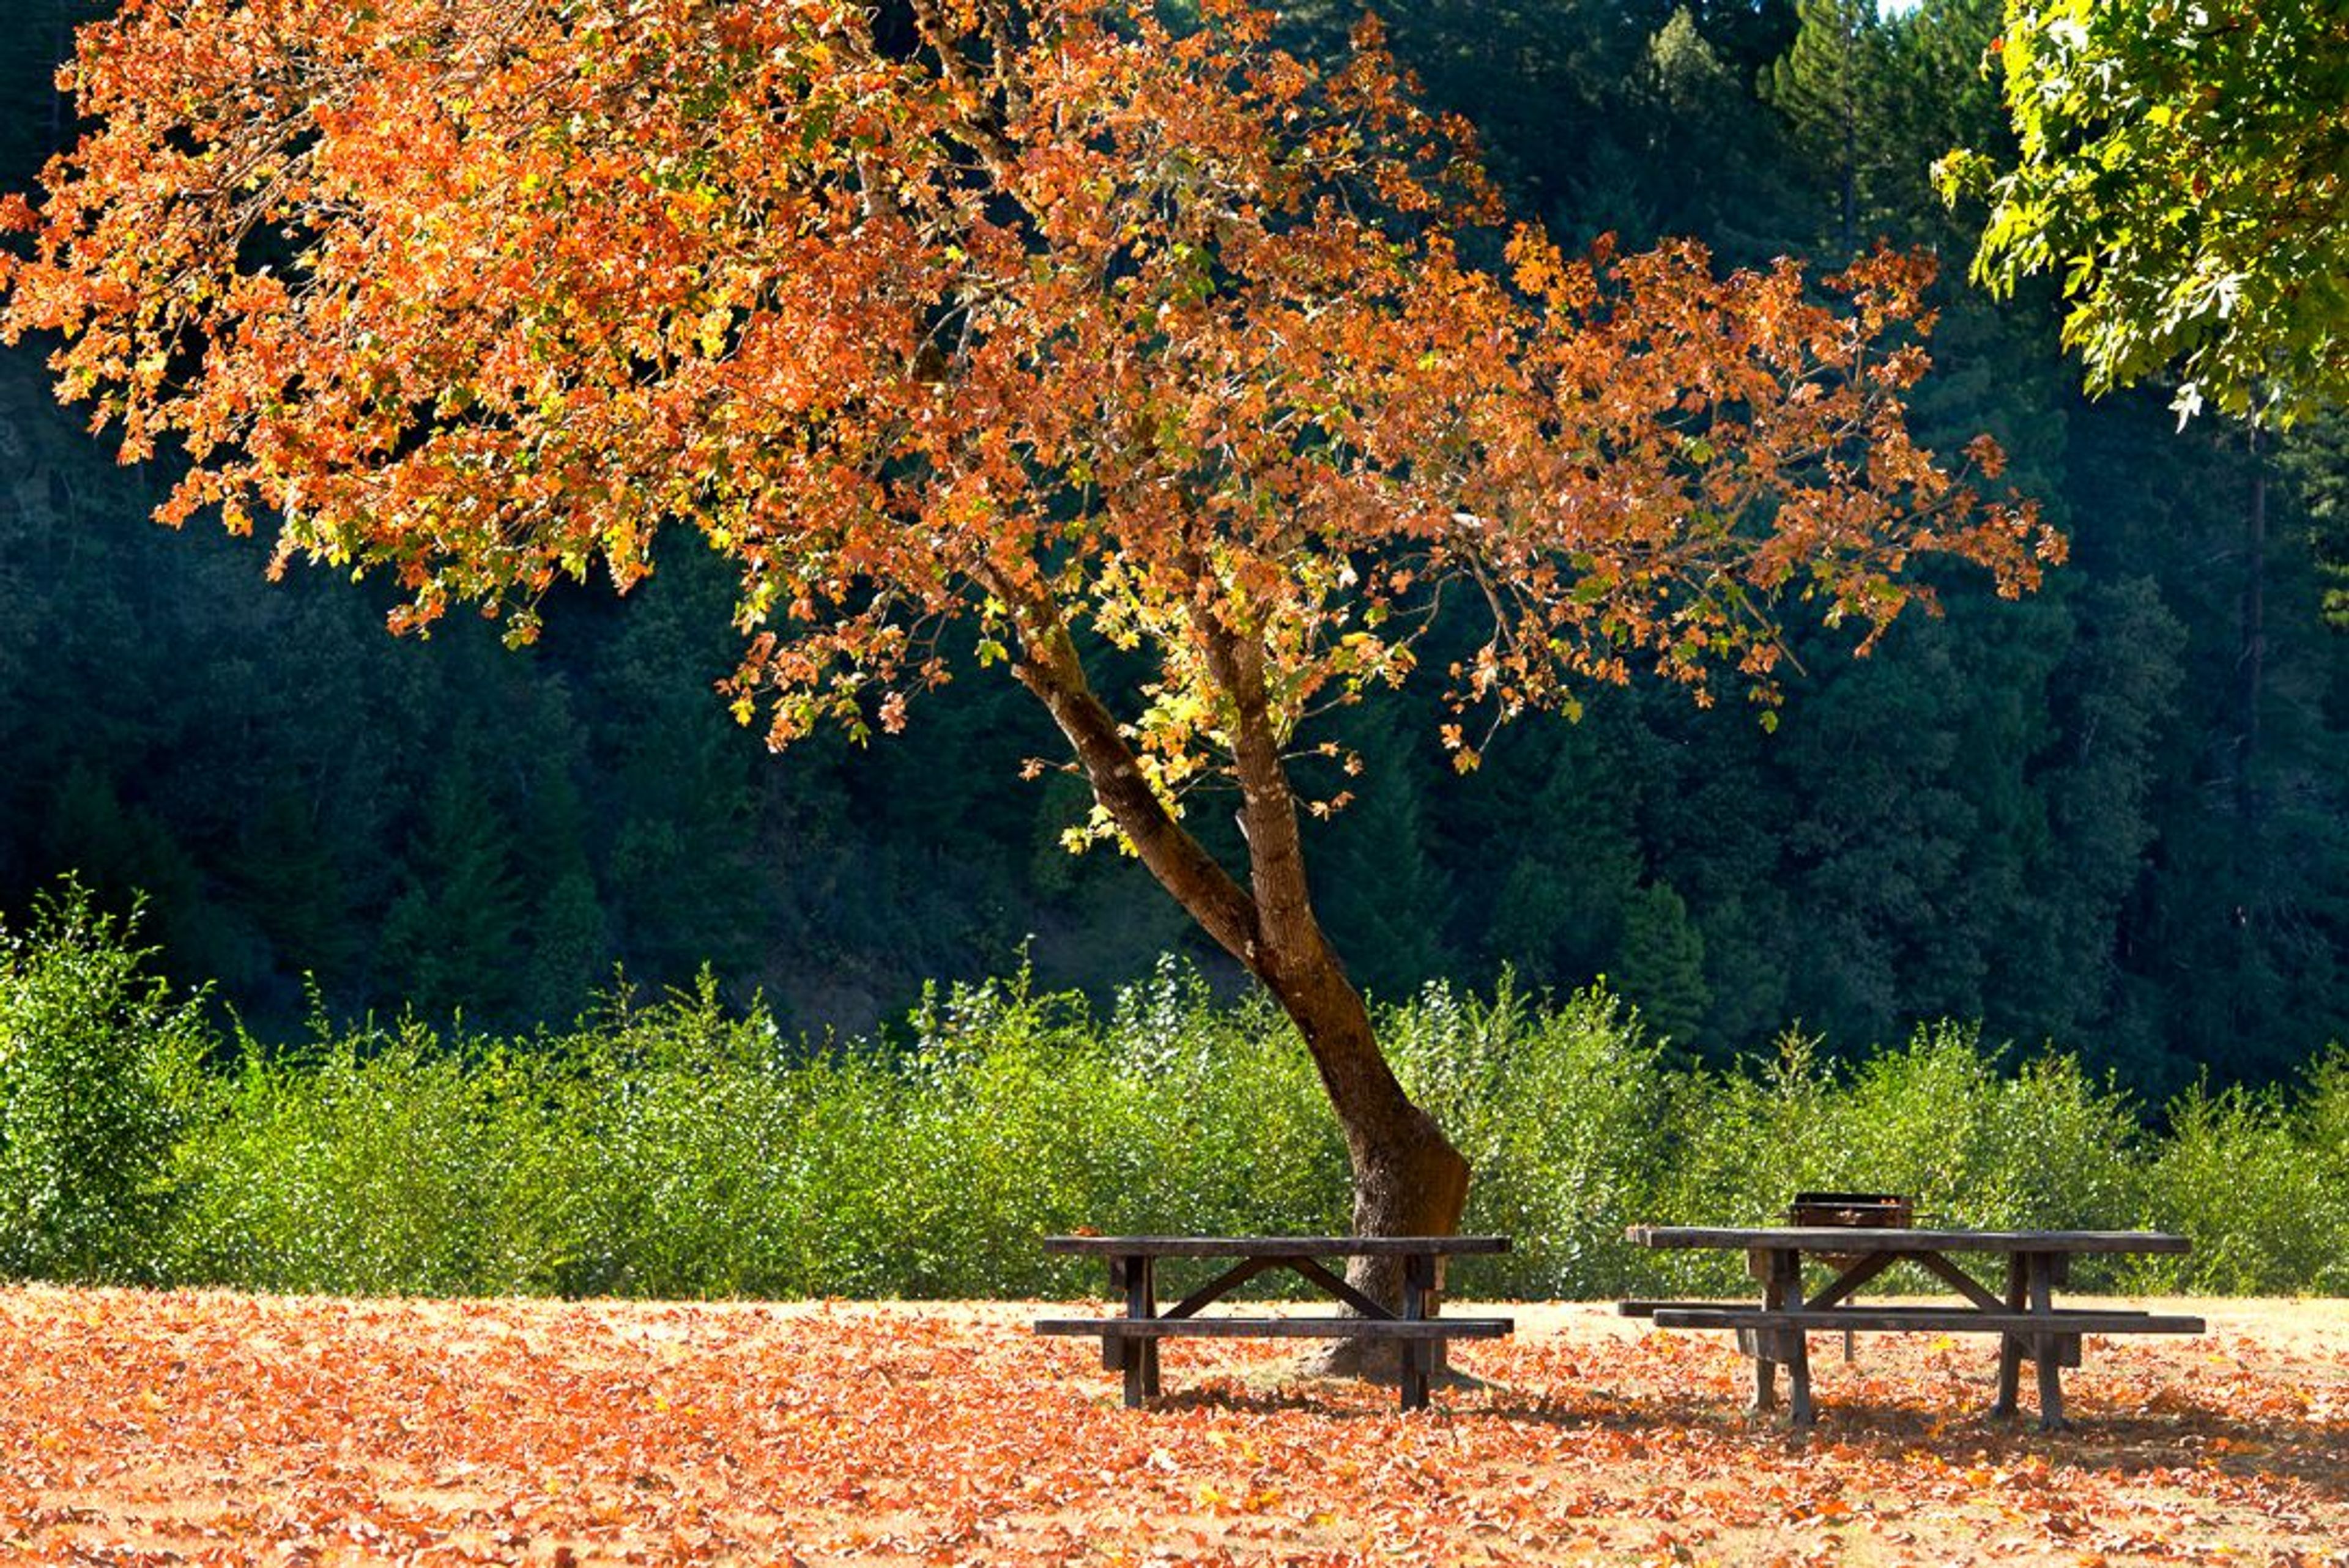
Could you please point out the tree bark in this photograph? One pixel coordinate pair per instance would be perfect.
(1408, 1179)
(2253, 662)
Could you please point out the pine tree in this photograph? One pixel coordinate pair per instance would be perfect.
(453, 940)
(1662, 969)
(570, 949)
(1386, 901)
(1573, 860)
(287, 880)
(1828, 86)
(35, 119)
(1709, 156)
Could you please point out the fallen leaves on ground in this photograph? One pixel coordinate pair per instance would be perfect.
(200, 1428)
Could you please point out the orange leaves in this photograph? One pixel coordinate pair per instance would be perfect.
(206, 1426)
(1165, 338)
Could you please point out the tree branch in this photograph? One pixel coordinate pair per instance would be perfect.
(1268, 805)
(1051, 668)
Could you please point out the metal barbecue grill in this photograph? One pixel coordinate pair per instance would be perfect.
(1856, 1211)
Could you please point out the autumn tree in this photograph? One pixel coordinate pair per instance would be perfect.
(1154, 359)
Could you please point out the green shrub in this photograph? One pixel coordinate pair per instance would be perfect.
(674, 1125)
(2322, 1127)
(1027, 1115)
(1561, 1112)
(2260, 1183)
(100, 1073)
(379, 1163)
(680, 1149)
(1936, 1120)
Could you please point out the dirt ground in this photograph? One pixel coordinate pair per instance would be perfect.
(188, 1428)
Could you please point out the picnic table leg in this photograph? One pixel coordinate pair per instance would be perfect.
(1791, 1344)
(1138, 1358)
(2047, 1348)
(1797, 1346)
(2010, 1346)
(1760, 1343)
(1416, 1360)
(1418, 1357)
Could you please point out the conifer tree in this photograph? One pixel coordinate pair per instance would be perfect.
(1828, 89)
(1662, 970)
(455, 931)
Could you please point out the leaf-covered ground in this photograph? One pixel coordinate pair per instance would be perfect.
(209, 1428)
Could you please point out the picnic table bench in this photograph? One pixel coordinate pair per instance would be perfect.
(2030, 1325)
(1129, 1342)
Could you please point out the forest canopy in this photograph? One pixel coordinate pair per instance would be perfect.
(2087, 816)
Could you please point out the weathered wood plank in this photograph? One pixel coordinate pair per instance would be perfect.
(1918, 1319)
(1858, 1238)
(1281, 1327)
(1903, 1310)
(1273, 1246)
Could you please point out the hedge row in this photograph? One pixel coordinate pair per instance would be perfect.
(678, 1150)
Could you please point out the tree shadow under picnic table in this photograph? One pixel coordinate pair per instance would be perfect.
(2130, 1443)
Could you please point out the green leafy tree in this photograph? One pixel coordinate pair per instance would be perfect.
(2183, 171)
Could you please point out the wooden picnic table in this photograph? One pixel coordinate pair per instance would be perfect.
(1129, 1342)
(2023, 1314)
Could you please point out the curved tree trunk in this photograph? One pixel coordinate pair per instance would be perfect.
(1408, 1178)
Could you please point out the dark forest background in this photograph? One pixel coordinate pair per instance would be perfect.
(2111, 816)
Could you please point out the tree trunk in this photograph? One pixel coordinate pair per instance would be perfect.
(1408, 1178)
(2252, 661)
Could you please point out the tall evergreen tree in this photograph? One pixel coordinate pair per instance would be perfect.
(1662, 970)
(1829, 88)
(455, 939)
(1387, 900)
